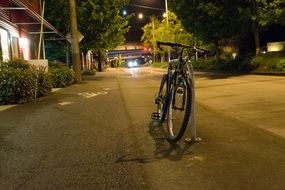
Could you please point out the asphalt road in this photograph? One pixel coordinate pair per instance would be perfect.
(99, 135)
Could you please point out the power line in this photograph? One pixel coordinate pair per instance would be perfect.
(147, 7)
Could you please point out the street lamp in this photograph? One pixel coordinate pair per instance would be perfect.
(124, 12)
(167, 25)
(166, 12)
(141, 16)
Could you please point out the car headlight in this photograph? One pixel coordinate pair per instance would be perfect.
(130, 64)
(135, 63)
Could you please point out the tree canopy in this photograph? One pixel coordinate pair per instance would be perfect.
(157, 30)
(213, 21)
(101, 24)
(98, 20)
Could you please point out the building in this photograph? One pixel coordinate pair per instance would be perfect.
(129, 50)
(276, 46)
(20, 26)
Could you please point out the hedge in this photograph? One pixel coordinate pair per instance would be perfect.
(17, 85)
(20, 82)
(269, 62)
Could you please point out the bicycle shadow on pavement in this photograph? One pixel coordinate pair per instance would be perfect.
(165, 149)
(157, 150)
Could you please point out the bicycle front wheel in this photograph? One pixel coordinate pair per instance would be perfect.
(179, 111)
(162, 98)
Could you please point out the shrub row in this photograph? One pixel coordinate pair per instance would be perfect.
(20, 82)
(17, 85)
(88, 72)
(61, 75)
(269, 62)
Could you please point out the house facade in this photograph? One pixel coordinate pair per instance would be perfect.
(20, 26)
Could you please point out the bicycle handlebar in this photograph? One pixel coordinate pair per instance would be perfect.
(174, 44)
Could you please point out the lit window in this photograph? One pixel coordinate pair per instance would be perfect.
(4, 44)
(24, 45)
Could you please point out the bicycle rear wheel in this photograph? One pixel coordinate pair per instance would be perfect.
(161, 99)
(179, 111)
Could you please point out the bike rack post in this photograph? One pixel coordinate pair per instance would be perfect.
(193, 137)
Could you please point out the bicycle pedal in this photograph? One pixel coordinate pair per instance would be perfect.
(155, 116)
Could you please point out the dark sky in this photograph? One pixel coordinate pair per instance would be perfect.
(148, 8)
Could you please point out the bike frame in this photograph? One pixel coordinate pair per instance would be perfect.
(171, 74)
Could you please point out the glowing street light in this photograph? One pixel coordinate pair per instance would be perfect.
(140, 16)
(124, 13)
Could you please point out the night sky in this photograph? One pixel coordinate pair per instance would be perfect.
(135, 32)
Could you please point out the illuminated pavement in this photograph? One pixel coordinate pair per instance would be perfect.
(257, 100)
(99, 135)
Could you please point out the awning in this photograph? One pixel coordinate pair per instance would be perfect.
(25, 17)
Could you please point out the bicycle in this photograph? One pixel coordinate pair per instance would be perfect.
(174, 99)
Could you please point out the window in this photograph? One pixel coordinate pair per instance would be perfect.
(15, 47)
(24, 45)
(4, 45)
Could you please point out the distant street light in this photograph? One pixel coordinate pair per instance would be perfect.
(124, 13)
(140, 16)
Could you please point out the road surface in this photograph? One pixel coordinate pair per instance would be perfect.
(99, 135)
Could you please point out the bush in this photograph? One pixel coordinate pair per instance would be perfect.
(56, 64)
(16, 64)
(206, 64)
(269, 62)
(160, 64)
(20, 83)
(60, 74)
(44, 84)
(17, 85)
(61, 77)
(88, 72)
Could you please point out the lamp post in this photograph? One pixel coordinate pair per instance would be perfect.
(166, 12)
(141, 16)
(167, 25)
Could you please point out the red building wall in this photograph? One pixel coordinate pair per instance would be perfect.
(32, 4)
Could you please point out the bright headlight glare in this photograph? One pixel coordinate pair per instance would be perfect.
(130, 64)
(135, 64)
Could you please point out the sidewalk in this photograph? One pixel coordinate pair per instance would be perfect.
(99, 135)
(233, 154)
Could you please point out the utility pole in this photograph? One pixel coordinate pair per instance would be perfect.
(75, 42)
(153, 44)
(167, 23)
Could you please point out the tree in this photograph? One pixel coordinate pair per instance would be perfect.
(57, 13)
(75, 42)
(56, 49)
(102, 25)
(161, 31)
(262, 14)
(210, 21)
(98, 20)
(213, 21)
(149, 36)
